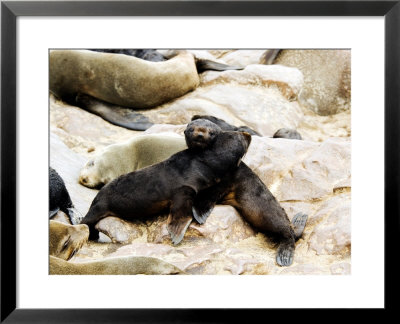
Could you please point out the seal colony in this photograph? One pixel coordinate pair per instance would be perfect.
(240, 188)
(172, 184)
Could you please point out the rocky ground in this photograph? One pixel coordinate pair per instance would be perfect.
(311, 176)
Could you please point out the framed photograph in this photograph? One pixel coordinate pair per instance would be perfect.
(313, 86)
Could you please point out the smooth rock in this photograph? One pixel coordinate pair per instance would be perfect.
(327, 78)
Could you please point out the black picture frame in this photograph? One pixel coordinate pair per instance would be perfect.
(10, 10)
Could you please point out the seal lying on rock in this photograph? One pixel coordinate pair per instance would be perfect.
(171, 184)
(59, 198)
(65, 240)
(121, 79)
(114, 266)
(104, 83)
(134, 154)
(244, 190)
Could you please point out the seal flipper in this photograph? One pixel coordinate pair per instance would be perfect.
(53, 212)
(120, 116)
(74, 215)
(285, 254)
(299, 223)
(286, 249)
(180, 216)
(200, 217)
(204, 65)
(177, 227)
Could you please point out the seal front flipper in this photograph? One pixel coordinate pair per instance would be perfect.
(180, 215)
(204, 204)
(299, 223)
(199, 216)
(177, 226)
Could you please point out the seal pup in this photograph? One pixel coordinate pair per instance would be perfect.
(134, 154)
(59, 198)
(244, 190)
(65, 240)
(171, 184)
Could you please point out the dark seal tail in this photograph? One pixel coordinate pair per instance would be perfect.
(204, 65)
(286, 249)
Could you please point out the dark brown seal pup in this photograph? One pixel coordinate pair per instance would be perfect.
(244, 190)
(171, 184)
(59, 198)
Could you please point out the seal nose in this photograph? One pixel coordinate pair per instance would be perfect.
(84, 180)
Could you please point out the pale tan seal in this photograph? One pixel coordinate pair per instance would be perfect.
(121, 79)
(114, 266)
(65, 240)
(134, 154)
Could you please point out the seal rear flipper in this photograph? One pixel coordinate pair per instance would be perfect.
(204, 65)
(285, 254)
(120, 116)
(299, 223)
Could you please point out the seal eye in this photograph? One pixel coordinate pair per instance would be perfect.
(66, 244)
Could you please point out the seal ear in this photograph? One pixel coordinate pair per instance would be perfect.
(195, 117)
(247, 138)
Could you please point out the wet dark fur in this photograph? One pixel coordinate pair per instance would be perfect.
(59, 198)
(224, 125)
(171, 184)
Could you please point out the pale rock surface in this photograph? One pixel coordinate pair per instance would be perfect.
(244, 57)
(327, 78)
(269, 94)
